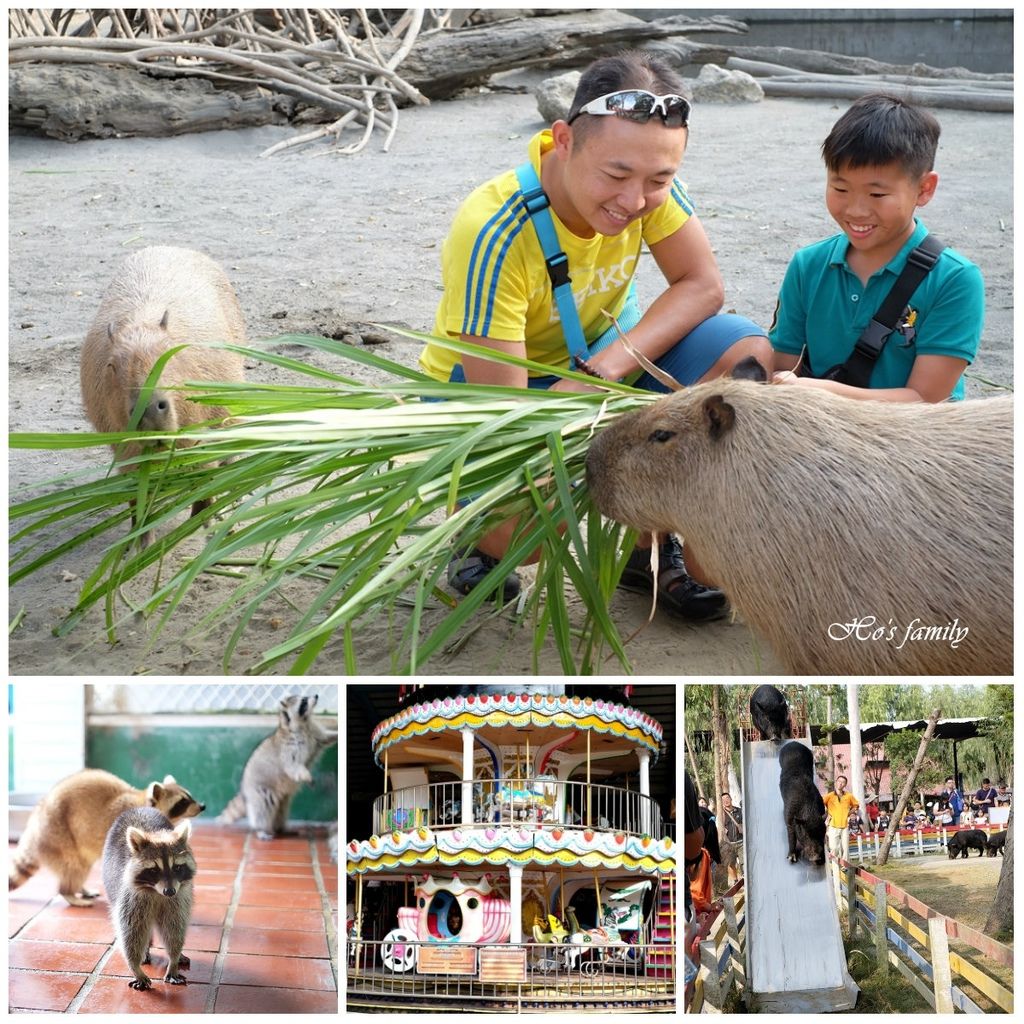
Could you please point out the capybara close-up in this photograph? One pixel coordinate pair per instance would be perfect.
(857, 537)
(160, 297)
(802, 805)
(769, 711)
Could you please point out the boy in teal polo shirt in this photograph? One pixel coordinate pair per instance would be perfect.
(879, 157)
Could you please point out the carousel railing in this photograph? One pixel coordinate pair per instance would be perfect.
(539, 801)
(616, 975)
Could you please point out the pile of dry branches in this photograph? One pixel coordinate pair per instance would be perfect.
(342, 61)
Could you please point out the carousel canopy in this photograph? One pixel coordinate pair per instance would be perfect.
(564, 723)
(494, 847)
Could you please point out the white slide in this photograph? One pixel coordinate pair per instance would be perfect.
(795, 957)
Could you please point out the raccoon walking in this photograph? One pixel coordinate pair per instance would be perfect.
(278, 766)
(147, 871)
(66, 830)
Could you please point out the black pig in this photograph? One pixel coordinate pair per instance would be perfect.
(803, 808)
(996, 844)
(770, 713)
(963, 842)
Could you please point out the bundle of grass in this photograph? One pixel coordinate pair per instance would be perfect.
(365, 490)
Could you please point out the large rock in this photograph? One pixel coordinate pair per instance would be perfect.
(717, 85)
(554, 95)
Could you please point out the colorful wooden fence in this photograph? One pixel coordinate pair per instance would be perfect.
(934, 839)
(720, 955)
(920, 954)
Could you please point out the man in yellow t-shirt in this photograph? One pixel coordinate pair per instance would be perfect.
(612, 186)
(839, 804)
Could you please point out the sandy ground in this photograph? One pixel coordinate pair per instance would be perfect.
(331, 241)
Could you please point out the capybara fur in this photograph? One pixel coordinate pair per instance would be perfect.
(160, 297)
(836, 527)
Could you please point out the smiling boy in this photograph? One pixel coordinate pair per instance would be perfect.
(879, 156)
(609, 173)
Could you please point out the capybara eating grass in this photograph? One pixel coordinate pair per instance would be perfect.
(160, 297)
(858, 537)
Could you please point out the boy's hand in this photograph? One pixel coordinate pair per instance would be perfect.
(785, 377)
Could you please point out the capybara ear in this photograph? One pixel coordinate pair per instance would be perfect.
(719, 416)
(749, 369)
(163, 321)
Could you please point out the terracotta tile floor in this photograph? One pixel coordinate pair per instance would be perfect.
(263, 937)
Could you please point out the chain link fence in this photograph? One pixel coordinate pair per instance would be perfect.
(196, 698)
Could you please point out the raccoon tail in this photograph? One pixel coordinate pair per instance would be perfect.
(234, 810)
(22, 868)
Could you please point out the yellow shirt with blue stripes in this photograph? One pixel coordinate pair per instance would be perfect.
(496, 283)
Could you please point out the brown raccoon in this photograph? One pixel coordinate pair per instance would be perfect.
(66, 830)
(278, 766)
(147, 871)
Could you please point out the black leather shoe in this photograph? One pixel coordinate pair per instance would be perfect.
(467, 570)
(679, 592)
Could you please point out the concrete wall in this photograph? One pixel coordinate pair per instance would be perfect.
(981, 40)
(206, 756)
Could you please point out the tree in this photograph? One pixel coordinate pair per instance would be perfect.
(908, 789)
(720, 745)
(1000, 917)
(874, 768)
(901, 749)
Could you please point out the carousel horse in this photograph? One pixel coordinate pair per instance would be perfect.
(556, 934)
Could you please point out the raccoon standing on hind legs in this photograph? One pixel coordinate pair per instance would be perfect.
(278, 766)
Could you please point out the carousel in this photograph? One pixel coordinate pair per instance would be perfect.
(517, 863)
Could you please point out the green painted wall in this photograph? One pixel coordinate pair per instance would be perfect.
(207, 761)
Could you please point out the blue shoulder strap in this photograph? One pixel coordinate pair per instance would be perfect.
(557, 262)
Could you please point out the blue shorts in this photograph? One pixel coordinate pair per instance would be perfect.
(686, 361)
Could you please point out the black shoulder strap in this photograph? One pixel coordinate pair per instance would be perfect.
(858, 367)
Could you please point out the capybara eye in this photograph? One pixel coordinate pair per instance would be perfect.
(661, 436)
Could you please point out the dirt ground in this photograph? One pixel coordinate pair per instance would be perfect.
(317, 243)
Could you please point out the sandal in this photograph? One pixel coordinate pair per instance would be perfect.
(677, 590)
(468, 569)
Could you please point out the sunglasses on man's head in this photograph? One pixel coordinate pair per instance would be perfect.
(639, 105)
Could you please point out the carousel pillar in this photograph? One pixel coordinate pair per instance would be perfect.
(515, 898)
(644, 757)
(467, 776)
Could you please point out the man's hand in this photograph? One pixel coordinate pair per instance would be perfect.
(573, 385)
